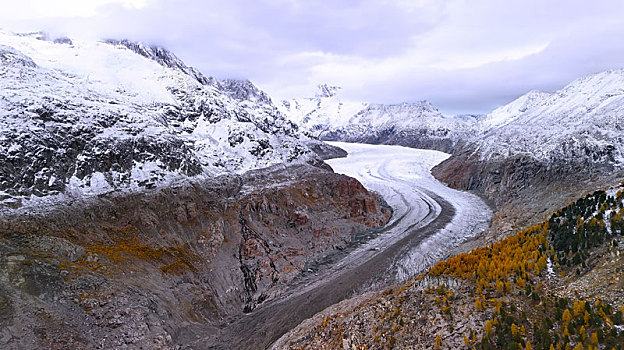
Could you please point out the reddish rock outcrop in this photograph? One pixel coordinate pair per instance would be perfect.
(155, 269)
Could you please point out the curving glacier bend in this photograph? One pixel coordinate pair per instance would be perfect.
(403, 177)
(428, 222)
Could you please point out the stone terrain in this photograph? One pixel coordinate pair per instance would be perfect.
(399, 316)
(523, 190)
(451, 307)
(157, 268)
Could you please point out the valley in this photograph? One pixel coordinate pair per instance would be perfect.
(429, 221)
(544, 287)
(145, 205)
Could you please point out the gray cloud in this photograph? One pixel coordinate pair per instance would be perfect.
(464, 56)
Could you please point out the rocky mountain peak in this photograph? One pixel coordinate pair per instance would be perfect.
(326, 91)
(162, 56)
(243, 90)
(95, 117)
(426, 105)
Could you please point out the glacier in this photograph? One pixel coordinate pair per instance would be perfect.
(403, 177)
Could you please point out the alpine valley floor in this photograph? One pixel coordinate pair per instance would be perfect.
(429, 221)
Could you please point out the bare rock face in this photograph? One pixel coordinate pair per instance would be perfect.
(543, 149)
(158, 268)
(523, 189)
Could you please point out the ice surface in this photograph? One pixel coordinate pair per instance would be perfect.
(403, 177)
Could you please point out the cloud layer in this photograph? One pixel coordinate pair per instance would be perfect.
(464, 56)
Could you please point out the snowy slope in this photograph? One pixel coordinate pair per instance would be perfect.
(418, 125)
(511, 111)
(90, 117)
(583, 122)
(407, 124)
(324, 112)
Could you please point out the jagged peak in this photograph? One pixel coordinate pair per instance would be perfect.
(154, 52)
(243, 89)
(426, 105)
(326, 90)
(423, 106)
(162, 56)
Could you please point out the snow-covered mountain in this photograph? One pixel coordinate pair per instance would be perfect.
(420, 125)
(90, 117)
(511, 111)
(417, 125)
(583, 122)
(325, 112)
(544, 148)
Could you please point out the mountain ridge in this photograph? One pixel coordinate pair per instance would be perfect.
(98, 116)
(417, 124)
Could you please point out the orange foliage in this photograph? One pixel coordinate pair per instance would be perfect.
(493, 265)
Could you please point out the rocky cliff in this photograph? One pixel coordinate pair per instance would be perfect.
(154, 269)
(544, 149)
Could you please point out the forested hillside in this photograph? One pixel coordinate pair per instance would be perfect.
(555, 285)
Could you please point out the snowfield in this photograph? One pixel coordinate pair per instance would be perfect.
(403, 177)
(582, 122)
(86, 118)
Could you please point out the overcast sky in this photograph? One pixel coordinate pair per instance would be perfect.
(465, 56)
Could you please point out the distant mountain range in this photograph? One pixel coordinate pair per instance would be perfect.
(92, 117)
(582, 122)
(419, 125)
(576, 132)
(537, 152)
